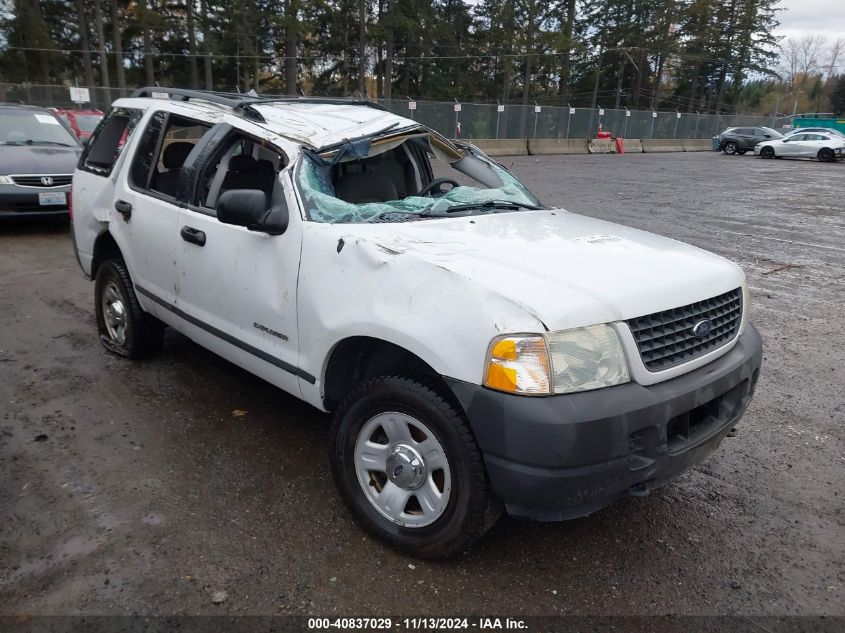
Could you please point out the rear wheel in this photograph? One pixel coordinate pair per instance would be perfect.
(125, 329)
(730, 148)
(767, 152)
(409, 469)
(826, 155)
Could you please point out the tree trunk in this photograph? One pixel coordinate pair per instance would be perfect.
(101, 46)
(619, 80)
(526, 80)
(346, 57)
(206, 45)
(118, 48)
(595, 98)
(730, 32)
(388, 66)
(362, 48)
(290, 47)
(693, 87)
(638, 85)
(658, 75)
(380, 54)
(84, 43)
(406, 75)
(566, 66)
(566, 58)
(192, 43)
(148, 45)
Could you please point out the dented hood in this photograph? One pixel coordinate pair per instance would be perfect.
(564, 269)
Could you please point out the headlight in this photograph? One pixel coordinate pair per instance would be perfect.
(6, 180)
(587, 358)
(560, 362)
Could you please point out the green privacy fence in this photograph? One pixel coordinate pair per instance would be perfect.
(481, 120)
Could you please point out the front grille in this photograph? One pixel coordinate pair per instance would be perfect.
(35, 181)
(665, 339)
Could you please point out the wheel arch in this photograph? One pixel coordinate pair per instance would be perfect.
(356, 358)
(105, 248)
(826, 149)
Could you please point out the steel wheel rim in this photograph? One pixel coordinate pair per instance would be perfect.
(114, 313)
(730, 148)
(403, 469)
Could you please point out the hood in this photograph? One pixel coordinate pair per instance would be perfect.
(565, 269)
(38, 159)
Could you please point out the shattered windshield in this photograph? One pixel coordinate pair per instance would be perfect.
(404, 179)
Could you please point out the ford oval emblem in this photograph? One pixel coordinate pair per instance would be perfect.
(702, 328)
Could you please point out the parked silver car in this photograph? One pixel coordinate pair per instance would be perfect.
(825, 147)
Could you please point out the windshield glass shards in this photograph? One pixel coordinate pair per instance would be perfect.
(406, 177)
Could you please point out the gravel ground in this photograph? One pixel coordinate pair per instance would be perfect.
(136, 488)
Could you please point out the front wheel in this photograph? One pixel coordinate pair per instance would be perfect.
(767, 152)
(124, 328)
(409, 469)
(730, 148)
(826, 155)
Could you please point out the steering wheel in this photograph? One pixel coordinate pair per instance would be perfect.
(434, 186)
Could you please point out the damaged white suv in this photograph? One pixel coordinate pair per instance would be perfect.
(478, 350)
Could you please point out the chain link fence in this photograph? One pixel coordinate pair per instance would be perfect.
(482, 120)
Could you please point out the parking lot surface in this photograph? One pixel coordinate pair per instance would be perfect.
(149, 487)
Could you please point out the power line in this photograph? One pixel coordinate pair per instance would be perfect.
(272, 57)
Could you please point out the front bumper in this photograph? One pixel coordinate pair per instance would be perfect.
(562, 457)
(22, 202)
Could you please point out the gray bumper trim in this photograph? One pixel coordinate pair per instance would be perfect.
(566, 456)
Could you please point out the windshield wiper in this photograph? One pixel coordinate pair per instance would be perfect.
(423, 213)
(34, 142)
(492, 204)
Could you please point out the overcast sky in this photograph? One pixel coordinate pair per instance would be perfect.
(812, 17)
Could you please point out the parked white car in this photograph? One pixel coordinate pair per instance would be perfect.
(825, 147)
(822, 130)
(477, 349)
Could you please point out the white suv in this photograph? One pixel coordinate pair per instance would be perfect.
(478, 350)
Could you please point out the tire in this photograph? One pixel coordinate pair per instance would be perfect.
(730, 148)
(124, 328)
(767, 152)
(826, 155)
(412, 414)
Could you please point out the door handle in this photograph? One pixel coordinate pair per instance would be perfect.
(124, 208)
(192, 235)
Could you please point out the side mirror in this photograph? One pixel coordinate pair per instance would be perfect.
(247, 208)
(767, 135)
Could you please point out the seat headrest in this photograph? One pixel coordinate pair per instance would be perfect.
(175, 154)
(243, 162)
(359, 187)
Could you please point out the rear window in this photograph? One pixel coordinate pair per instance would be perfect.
(108, 140)
(88, 122)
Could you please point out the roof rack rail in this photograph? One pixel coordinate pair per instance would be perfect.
(232, 100)
(244, 102)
